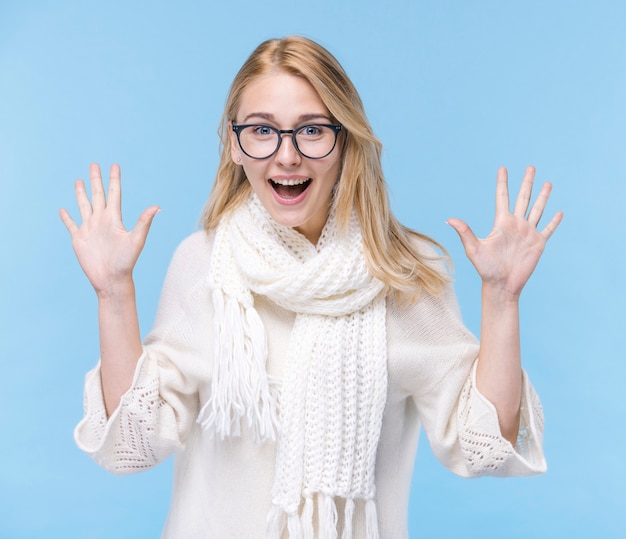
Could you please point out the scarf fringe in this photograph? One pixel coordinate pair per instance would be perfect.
(294, 526)
(275, 524)
(347, 520)
(301, 526)
(371, 520)
(239, 388)
(307, 518)
(328, 518)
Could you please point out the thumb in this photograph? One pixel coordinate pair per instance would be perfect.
(142, 227)
(468, 238)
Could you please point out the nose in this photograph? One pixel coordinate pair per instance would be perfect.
(287, 154)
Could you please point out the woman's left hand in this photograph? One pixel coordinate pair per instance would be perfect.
(507, 257)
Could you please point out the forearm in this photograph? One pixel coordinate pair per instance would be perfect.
(499, 373)
(120, 341)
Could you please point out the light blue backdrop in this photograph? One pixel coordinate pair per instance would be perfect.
(453, 88)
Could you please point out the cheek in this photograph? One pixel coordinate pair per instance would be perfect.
(332, 170)
(254, 174)
(248, 167)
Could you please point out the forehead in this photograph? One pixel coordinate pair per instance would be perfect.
(281, 96)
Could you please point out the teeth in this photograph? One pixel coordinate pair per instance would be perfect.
(290, 182)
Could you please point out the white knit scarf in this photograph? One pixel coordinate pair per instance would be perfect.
(328, 411)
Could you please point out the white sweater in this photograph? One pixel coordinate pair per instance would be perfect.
(222, 488)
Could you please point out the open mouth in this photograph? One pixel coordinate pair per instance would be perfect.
(290, 188)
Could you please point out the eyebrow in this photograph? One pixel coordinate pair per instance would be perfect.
(302, 118)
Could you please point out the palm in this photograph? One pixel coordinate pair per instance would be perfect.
(507, 257)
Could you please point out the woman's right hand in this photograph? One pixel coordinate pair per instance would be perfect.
(106, 251)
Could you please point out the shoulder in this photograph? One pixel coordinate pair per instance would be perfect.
(435, 316)
(428, 265)
(431, 315)
(195, 248)
(430, 252)
(198, 243)
(192, 258)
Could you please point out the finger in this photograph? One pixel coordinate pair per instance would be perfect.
(69, 223)
(552, 225)
(142, 227)
(84, 206)
(467, 236)
(502, 192)
(97, 189)
(540, 204)
(115, 190)
(525, 192)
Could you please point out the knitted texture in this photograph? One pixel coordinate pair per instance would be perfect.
(224, 489)
(484, 449)
(333, 395)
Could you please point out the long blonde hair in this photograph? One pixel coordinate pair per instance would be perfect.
(390, 247)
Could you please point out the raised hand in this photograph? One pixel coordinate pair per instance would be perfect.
(505, 260)
(106, 251)
(507, 257)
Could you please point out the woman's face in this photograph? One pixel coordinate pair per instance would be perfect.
(295, 190)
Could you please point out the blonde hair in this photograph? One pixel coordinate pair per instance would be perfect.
(390, 247)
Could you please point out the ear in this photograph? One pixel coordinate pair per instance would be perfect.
(235, 150)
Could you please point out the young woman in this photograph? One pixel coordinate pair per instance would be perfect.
(304, 336)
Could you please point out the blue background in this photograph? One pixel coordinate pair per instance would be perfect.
(454, 89)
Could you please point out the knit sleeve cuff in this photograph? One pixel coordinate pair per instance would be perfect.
(126, 441)
(485, 450)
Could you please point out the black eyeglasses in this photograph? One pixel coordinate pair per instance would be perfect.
(313, 141)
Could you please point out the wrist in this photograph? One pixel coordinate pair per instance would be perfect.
(117, 291)
(499, 295)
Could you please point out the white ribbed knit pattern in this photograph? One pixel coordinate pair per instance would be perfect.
(333, 395)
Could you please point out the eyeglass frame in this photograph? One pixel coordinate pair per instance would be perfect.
(280, 132)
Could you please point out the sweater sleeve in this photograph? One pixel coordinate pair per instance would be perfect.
(438, 358)
(484, 450)
(157, 413)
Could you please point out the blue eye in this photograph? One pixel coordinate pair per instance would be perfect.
(263, 130)
(311, 130)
